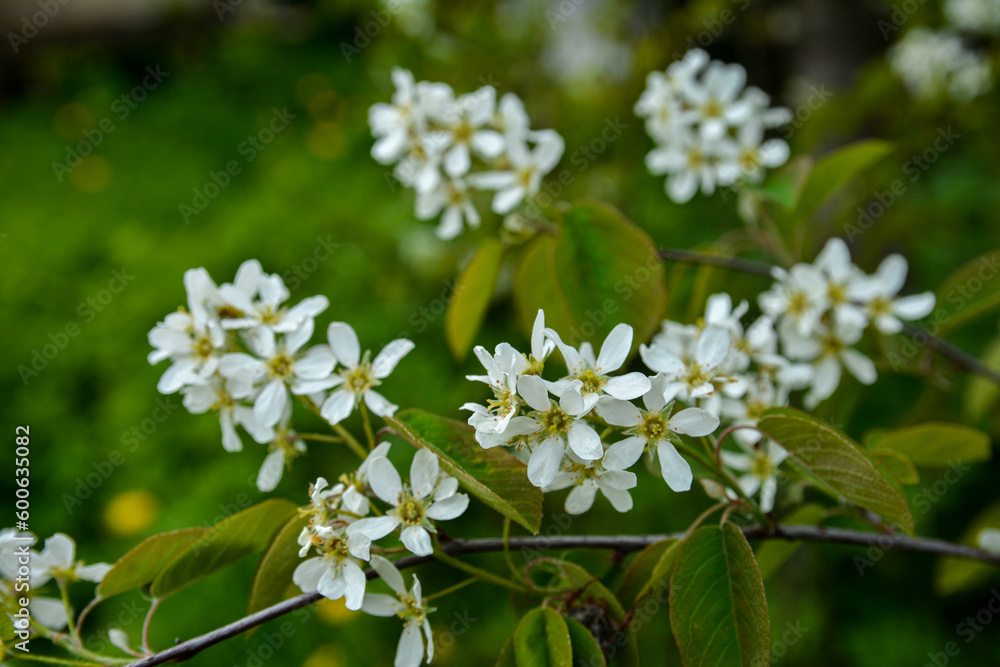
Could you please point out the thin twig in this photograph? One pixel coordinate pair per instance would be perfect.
(621, 543)
(146, 624)
(940, 346)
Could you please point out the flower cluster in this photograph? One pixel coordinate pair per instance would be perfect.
(341, 532)
(708, 126)
(446, 146)
(715, 371)
(822, 310)
(554, 424)
(239, 351)
(933, 64)
(56, 561)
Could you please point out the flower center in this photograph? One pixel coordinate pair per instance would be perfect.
(269, 315)
(226, 312)
(360, 379)
(762, 466)
(696, 158)
(653, 428)
(280, 366)
(712, 109)
(554, 421)
(525, 175)
(880, 306)
(463, 132)
(203, 347)
(798, 302)
(697, 375)
(832, 345)
(836, 294)
(592, 381)
(410, 511)
(750, 160)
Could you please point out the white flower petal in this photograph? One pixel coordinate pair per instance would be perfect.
(344, 344)
(623, 455)
(417, 540)
(545, 461)
(424, 473)
(450, 508)
(384, 480)
(676, 471)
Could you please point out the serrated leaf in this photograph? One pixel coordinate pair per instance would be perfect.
(601, 270)
(937, 444)
(837, 462)
(495, 476)
(772, 554)
(650, 569)
(471, 296)
(274, 571)
(146, 560)
(586, 650)
(542, 640)
(227, 542)
(717, 606)
(971, 291)
(836, 170)
(958, 574)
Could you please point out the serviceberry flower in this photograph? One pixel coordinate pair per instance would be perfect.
(761, 467)
(589, 477)
(409, 607)
(415, 505)
(593, 374)
(357, 380)
(651, 429)
(689, 380)
(879, 292)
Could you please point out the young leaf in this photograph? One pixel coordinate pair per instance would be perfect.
(836, 170)
(971, 291)
(586, 650)
(836, 462)
(936, 444)
(146, 560)
(228, 541)
(274, 571)
(717, 606)
(494, 476)
(471, 296)
(542, 640)
(601, 270)
(981, 393)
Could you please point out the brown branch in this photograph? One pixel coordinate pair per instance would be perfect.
(938, 345)
(620, 543)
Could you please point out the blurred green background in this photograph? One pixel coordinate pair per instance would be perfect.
(315, 192)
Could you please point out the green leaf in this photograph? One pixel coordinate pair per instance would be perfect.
(146, 560)
(958, 574)
(717, 606)
(650, 569)
(229, 541)
(274, 571)
(506, 657)
(836, 462)
(586, 651)
(895, 466)
(495, 476)
(836, 170)
(971, 291)
(542, 640)
(772, 554)
(601, 270)
(936, 444)
(471, 296)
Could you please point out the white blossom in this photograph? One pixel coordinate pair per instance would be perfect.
(410, 607)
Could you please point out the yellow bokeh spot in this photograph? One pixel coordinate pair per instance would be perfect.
(309, 85)
(131, 512)
(326, 655)
(71, 120)
(93, 174)
(334, 612)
